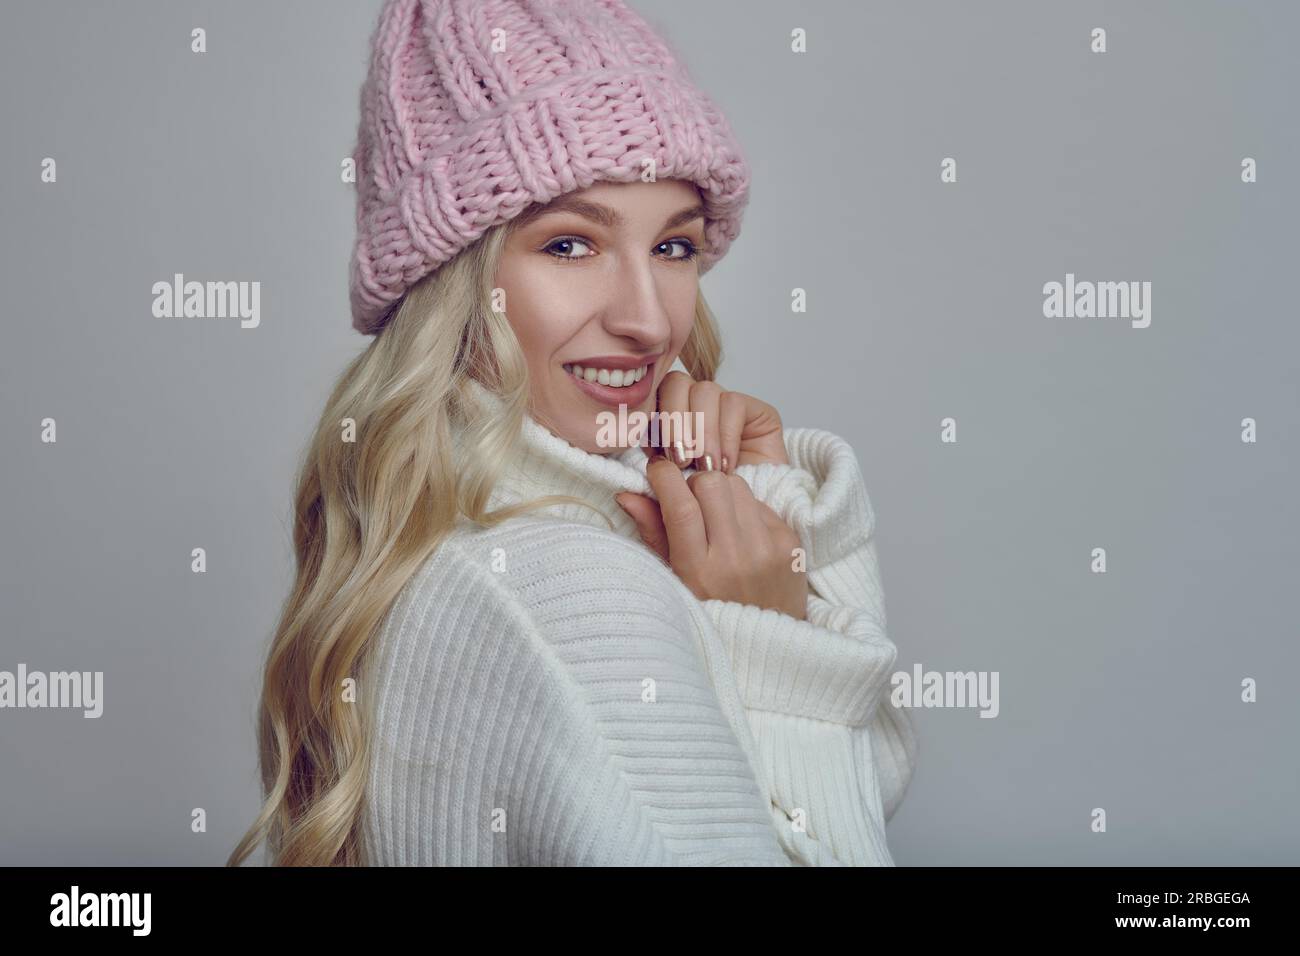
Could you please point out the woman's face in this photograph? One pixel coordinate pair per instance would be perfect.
(604, 280)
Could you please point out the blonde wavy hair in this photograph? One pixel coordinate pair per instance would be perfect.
(368, 513)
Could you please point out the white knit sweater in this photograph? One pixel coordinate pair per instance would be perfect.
(549, 692)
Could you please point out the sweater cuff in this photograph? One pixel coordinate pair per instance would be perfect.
(822, 496)
(834, 670)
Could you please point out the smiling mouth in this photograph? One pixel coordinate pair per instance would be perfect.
(613, 377)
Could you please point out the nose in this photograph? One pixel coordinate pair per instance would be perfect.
(636, 311)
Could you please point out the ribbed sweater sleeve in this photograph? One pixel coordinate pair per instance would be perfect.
(541, 699)
(839, 756)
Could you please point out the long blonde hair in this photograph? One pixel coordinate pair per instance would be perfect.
(368, 513)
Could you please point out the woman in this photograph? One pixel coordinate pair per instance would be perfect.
(516, 636)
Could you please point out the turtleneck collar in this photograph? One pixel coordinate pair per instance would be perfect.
(549, 465)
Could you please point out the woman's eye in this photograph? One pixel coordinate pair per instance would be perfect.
(565, 244)
(564, 248)
(684, 243)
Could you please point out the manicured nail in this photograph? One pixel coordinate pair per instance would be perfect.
(680, 451)
(724, 462)
(708, 462)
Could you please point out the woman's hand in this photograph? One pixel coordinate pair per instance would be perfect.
(738, 429)
(719, 539)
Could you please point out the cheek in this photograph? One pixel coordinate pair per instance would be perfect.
(682, 316)
(533, 299)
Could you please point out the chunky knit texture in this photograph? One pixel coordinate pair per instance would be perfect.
(472, 110)
(549, 692)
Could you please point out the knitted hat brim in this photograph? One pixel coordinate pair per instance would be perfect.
(550, 140)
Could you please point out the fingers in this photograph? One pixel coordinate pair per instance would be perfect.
(675, 390)
(749, 518)
(673, 407)
(730, 428)
(644, 512)
(698, 514)
(716, 536)
(712, 489)
(705, 400)
(689, 413)
(682, 517)
(733, 412)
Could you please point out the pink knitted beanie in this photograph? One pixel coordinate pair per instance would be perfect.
(475, 109)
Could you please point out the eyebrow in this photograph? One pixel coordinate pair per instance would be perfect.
(603, 215)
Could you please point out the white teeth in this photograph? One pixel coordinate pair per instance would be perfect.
(616, 378)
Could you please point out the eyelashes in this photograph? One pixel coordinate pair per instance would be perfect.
(692, 250)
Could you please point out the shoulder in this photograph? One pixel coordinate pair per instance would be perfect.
(485, 747)
(562, 573)
(546, 582)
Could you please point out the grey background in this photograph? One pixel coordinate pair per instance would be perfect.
(1118, 690)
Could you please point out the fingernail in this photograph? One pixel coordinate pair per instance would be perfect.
(724, 462)
(708, 462)
(680, 451)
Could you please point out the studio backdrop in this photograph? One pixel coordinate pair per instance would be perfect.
(1035, 262)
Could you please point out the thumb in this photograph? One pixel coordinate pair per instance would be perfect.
(644, 511)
